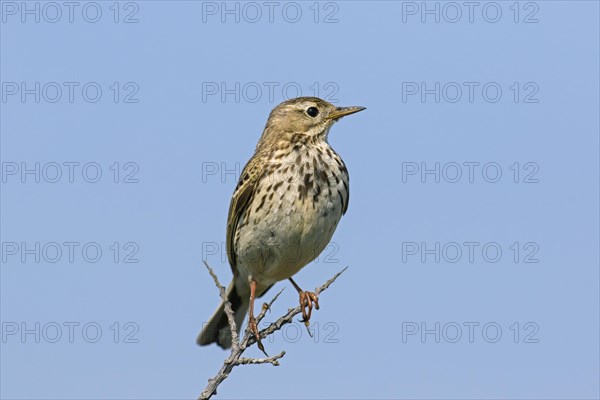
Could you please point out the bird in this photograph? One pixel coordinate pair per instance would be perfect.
(284, 210)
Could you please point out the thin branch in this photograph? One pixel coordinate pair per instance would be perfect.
(228, 310)
(269, 360)
(267, 306)
(238, 347)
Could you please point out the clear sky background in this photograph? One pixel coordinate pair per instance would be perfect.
(462, 283)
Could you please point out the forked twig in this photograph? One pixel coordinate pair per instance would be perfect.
(238, 347)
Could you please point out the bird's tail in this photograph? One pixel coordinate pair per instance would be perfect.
(217, 329)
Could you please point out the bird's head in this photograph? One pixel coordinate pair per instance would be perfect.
(308, 116)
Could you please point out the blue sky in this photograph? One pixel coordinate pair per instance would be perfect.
(472, 230)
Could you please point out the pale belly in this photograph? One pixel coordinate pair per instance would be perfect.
(293, 225)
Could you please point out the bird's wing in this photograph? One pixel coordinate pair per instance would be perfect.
(240, 201)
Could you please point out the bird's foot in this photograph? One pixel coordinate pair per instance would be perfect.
(308, 300)
(253, 326)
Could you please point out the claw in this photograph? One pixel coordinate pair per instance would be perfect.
(253, 326)
(308, 300)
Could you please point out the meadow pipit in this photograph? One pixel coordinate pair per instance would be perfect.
(284, 210)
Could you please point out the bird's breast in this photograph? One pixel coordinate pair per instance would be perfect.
(294, 212)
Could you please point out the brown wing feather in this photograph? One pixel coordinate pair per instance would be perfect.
(240, 201)
(347, 201)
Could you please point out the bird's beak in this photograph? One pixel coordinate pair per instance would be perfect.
(343, 111)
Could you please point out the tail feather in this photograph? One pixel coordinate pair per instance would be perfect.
(217, 329)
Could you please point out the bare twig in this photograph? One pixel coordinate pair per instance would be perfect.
(228, 310)
(269, 360)
(238, 347)
(267, 306)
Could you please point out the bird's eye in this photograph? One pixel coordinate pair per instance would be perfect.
(312, 111)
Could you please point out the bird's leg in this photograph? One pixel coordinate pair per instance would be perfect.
(251, 320)
(307, 300)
